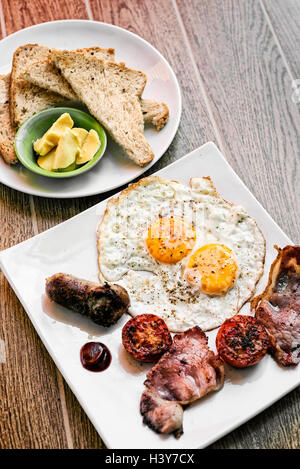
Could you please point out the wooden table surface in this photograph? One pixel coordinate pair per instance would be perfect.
(236, 62)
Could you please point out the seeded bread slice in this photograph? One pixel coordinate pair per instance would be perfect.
(28, 99)
(25, 98)
(112, 94)
(45, 75)
(7, 131)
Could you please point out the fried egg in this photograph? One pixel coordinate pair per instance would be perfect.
(183, 253)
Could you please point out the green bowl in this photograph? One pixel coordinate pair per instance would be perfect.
(35, 127)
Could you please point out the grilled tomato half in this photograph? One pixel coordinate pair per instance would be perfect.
(146, 337)
(242, 341)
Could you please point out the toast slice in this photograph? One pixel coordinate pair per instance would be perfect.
(27, 99)
(155, 113)
(45, 75)
(112, 94)
(7, 131)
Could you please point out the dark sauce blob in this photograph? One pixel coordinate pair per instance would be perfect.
(95, 356)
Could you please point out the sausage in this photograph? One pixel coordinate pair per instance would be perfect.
(103, 304)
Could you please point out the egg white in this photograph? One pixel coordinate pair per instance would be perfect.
(162, 290)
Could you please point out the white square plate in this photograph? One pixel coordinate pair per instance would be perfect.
(111, 398)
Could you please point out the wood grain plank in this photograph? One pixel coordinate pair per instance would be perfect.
(42, 402)
(249, 90)
(285, 19)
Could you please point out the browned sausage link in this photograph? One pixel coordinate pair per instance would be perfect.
(103, 304)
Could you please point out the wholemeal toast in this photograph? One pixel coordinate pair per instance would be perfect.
(7, 130)
(155, 113)
(112, 94)
(27, 99)
(45, 75)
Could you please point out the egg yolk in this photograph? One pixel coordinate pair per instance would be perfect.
(213, 269)
(170, 239)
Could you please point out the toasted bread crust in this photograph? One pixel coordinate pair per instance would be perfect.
(7, 130)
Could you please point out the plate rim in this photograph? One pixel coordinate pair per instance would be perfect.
(106, 438)
(142, 170)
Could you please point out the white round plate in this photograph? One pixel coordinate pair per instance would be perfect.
(114, 169)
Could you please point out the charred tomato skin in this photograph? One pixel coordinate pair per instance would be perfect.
(242, 341)
(146, 337)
